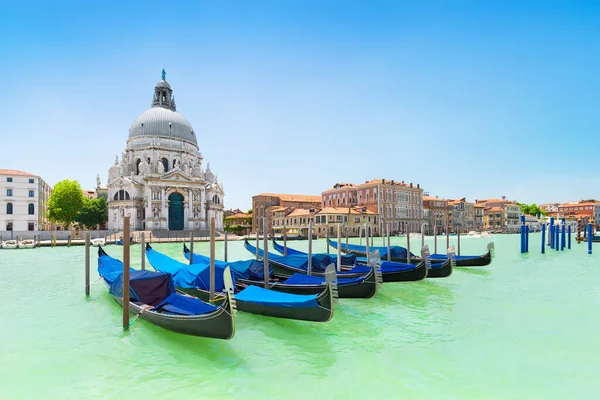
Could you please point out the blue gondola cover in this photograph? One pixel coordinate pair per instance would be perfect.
(258, 295)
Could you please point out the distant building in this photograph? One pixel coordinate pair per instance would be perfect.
(160, 181)
(479, 214)
(494, 219)
(239, 223)
(584, 210)
(397, 203)
(512, 212)
(350, 220)
(90, 194)
(23, 201)
(262, 202)
(435, 213)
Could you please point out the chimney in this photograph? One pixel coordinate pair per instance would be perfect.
(411, 184)
(366, 181)
(392, 181)
(383, 181)
(418, 185)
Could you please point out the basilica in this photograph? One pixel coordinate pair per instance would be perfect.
(160, 182)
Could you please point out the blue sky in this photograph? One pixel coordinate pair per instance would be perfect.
(468, 98)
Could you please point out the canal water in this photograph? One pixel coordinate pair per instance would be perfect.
(525, 327)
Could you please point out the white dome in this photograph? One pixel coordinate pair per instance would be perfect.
(163, 122)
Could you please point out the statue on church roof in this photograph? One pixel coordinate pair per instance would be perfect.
(164, 74)
(98, 180)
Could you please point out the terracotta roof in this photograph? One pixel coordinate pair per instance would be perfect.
(276, 209)
(495, 209)
(14, 172)
(239, 215)
(302, 198)
(479, 206)
(426, 198)
(587, 203)
(299, 212)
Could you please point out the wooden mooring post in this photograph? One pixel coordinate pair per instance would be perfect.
(87, 264)
(191, 248)
(126, 255)
(143, 250)
(211, 295)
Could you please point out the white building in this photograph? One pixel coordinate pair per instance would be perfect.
(160, 182)
(23, 198)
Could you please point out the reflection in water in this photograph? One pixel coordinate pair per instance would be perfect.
(483, 271)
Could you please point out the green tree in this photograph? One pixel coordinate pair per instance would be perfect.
(65, 202)
(249, 211)
(532, 209)
(92, 213)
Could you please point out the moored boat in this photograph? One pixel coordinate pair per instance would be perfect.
(390, 271)
(399, 254)
(10, 244)
(251, 272)
(153, 298)
(191, 278)
(360, 282)
(26, 244)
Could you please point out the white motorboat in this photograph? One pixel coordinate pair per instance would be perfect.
(10, 244)
(27, 244)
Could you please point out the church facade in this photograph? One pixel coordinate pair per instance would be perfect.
(160, 182)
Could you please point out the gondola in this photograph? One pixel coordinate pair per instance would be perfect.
(251, 272)
(194, 279)
(399, 254)
(347, 259)
(390, 271)
(350, 285)
(293, 282)
(153, 298)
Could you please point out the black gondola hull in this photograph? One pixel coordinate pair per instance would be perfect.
(420, 272)
(218, 324)
(322, 313)
(444, 271)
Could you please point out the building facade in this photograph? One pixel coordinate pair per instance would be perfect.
(494, 219)
(511, 209)
(239, 223)
(23, 201)
(264, 203)
(479, 213)
(398, 204)
(160, 182)
(353, 221)
(435, 213)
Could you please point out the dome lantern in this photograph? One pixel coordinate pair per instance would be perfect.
(163, 94)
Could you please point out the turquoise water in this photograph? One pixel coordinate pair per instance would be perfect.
(523, 328)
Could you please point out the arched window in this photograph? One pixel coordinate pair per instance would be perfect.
(31, 209)
(165, 164)
(174, 163)
(122, 195)
(137, 166)
(9, 209)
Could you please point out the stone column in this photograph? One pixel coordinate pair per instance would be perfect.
(163, 205)
(190, 208)
(149, 213)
